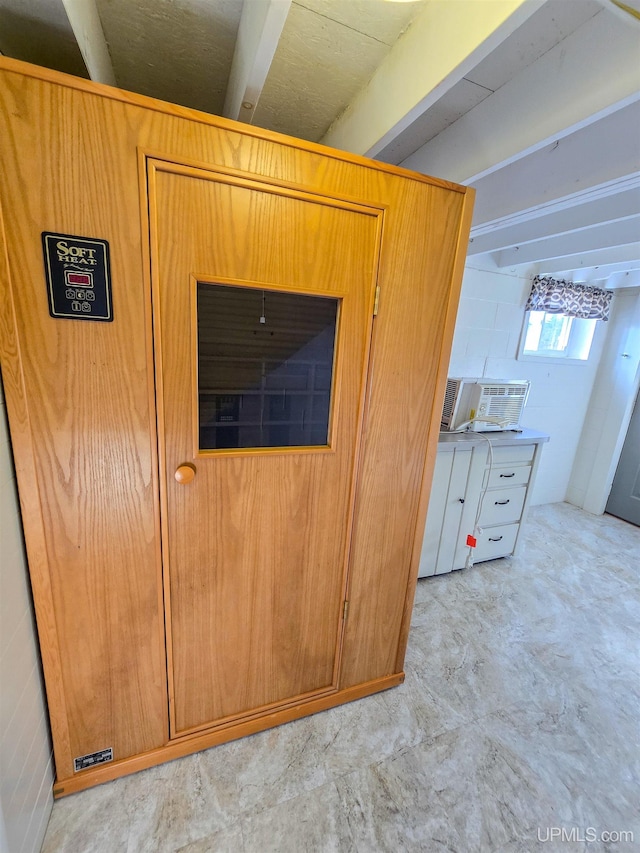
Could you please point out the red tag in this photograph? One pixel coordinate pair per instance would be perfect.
(471, 541)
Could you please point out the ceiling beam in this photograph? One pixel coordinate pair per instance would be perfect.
(611, 276)
(604, 153)
(592, 72)
(614, 279)
(610, 208)
(261, 25)
(87, 30)
(624, 257)
(443, 43)
(602, 236)
(557, 205)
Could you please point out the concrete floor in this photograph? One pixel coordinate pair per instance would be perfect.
(518, 722)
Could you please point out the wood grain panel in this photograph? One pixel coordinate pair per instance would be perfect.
(407, 362)
(26, 475)
(257, 543)
(450, 286)
(83, 423)
(90, 423)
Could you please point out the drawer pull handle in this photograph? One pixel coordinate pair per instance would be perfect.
(507, 476)
(495, 539)
(502, 503)
(461, 500)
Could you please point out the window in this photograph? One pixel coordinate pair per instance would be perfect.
(556, 336)
(560, 319)
(265, 367)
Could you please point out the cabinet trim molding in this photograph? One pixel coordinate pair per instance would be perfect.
(180, 747)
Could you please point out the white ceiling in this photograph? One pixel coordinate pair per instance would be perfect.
(535, 103)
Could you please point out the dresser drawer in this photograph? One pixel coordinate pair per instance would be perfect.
(496, 542)
(515, 475)
(513, 455)
(501, 506)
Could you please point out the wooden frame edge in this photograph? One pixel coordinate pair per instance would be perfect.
(356, 469)
(48, 75)
(457, 273)
(145, 239)
(30, 506)
(220, 174)
(156, 342)
(108, 772)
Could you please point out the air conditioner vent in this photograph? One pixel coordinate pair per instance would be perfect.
(506, 408)
(502, 390)
(449, 398)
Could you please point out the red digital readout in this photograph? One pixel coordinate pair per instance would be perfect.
(79, 279)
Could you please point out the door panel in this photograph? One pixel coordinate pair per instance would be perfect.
(624, 498)
(256, 544)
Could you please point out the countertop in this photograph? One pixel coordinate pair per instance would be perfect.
(448, 441)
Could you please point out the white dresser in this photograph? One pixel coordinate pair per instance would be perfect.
(464, 468)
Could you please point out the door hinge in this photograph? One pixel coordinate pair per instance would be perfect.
(376, 301)
(345, 610)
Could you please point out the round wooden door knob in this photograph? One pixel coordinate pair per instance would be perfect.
(185, 473)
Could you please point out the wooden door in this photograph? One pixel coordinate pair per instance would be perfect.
(263, 310)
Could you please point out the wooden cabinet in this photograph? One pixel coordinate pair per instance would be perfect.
(472, 482)
(223, 448)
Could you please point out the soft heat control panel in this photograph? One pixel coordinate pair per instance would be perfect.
(78, 277)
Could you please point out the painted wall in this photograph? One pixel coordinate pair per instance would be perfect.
(610, 407)
(26, 774)
(487, 335)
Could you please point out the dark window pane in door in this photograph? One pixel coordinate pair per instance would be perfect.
(265, 367)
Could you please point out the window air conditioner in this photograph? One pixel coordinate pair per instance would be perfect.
(484, 405)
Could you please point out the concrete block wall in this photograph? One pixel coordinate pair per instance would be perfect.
(487, 335)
